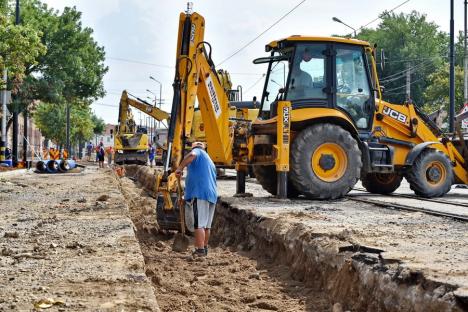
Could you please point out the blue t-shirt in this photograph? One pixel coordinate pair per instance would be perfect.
(201, 178)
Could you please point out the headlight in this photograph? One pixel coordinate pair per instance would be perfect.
(120, 151)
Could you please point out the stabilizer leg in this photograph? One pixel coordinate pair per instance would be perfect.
(282, 185)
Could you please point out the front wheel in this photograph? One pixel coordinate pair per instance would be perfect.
(381, 183)
(431, 174)
(325, 162)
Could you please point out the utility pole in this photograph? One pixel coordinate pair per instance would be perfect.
(15, 109)
(68, 128)
(3, 143)
(452, 71)
(25, 113)
(465, 63)
(408, 83)
(160, 95)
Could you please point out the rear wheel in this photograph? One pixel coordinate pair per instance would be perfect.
(381, 183)
(431, 174)
(325, 162)
(267, 177)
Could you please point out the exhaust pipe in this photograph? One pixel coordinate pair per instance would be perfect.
(53, 166)
(66, 165)
(41, 165)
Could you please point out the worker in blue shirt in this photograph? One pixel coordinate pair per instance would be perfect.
(200, 193)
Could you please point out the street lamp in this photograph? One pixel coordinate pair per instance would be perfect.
(335, 19)
(155, 97)
(160, 89)
(160, 95)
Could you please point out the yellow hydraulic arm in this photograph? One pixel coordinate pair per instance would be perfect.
(196, 78)
(126, 102)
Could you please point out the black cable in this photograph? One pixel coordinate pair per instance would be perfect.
(380, 15)
(263, 32)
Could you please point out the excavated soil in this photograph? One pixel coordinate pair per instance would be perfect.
(278, 261)
(227, 280)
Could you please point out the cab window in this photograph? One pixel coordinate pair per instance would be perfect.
(352, 85)
(308, 73)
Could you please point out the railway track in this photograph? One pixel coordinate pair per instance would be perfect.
(432, 200)
(398, 206)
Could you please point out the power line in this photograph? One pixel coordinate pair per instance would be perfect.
(104, 104)
(400, 74)
(138, 62)
(168, 66)
(404, 86)
(380, 15)
(262, 33)
(254, 84)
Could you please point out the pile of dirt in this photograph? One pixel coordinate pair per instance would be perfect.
(143, 175)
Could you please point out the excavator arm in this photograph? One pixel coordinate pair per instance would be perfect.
(142, 105)
(196, 79)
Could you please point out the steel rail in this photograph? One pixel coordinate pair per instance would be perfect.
(433, 200)
(409, 208)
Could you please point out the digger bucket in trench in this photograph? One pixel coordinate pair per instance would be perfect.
(171, 215)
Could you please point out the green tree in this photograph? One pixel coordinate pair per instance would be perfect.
(436, 94)
(71, 71)
(73, 66)
(51, 120)
(99, 124)
(407, 39)
(20, 46)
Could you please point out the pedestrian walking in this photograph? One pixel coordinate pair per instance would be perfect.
(97, 149)
(100, 155)
(89, 150)
(110, 152)
(200, 194)
(151, 155)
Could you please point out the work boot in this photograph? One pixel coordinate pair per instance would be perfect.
(197, 253)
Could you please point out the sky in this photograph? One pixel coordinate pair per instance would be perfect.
(139, 36)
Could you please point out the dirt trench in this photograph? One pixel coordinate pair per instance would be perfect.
(259, 264)
(229, 279)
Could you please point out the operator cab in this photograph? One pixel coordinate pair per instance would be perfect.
(319, 72)
(141, 129)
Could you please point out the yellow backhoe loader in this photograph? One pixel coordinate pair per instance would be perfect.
(130, 140)
(322, 124)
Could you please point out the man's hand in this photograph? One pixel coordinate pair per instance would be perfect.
(179, 172)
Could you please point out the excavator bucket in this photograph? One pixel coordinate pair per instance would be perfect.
(170, 214)
(168, 211)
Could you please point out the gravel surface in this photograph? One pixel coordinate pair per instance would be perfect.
(66, 240)
(434, 246)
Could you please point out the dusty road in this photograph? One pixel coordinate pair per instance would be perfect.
(68, 237)
(227, 280)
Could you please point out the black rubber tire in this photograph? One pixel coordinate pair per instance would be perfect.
(381, 183)
(251, 172)
(302, 175)
(417, 177)
(267, 177)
